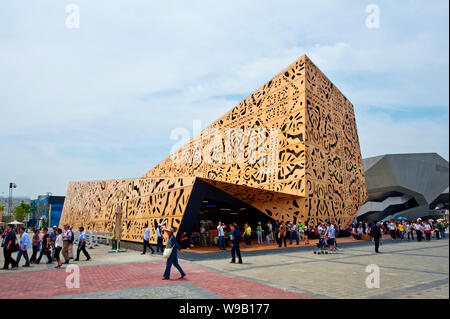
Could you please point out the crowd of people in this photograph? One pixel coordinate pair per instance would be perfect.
(51, 245)
(403, 229)
(280, 233)
(287, 233)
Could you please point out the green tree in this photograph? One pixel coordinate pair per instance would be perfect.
(21, 211)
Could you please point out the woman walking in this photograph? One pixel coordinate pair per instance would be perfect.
(173, 246)
(58, 247)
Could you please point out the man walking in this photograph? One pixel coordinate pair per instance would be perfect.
(82, 245)
(159, 239)
(235, 240)
(146, 240)
(375, 232)
(66, 237)
(25, 244)
(8, 241)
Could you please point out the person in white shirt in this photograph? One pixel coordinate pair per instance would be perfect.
(330, 235)
(419, 229)
(360, 232)
(146, 240)
(294, 234)
(25, 244)
(392, 229)
(58, 247)
(82, 245)
(66, 237)
(221, 234)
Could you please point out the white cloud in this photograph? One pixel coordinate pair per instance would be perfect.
(100, 101)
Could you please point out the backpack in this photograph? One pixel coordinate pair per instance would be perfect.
(72, 237)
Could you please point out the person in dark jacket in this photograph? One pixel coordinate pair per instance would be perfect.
(46, 247)
(7, 242)
(235, 240)
(173, 258)
(375, 232)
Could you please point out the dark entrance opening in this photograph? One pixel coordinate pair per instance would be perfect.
(211, 205)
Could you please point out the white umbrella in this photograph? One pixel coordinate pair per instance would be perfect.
(15, 223)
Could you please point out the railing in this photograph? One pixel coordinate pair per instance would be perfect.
(93, 238)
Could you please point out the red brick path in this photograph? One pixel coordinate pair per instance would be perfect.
(48, 283)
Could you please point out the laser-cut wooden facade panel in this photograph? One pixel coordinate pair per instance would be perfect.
(93, 204)
(278, 105)
(309, 154)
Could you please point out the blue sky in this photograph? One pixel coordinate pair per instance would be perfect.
(99, 102)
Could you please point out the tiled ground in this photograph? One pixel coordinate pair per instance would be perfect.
(407, 270)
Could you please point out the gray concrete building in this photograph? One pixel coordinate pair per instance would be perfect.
(407, 185)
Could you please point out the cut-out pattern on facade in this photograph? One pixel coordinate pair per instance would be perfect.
(318, 171)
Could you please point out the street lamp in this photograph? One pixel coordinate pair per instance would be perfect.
(11, 186)
(49, 209)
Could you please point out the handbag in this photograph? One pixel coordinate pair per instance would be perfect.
(14, 247)
(167, 252)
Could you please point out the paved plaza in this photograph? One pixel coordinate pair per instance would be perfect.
(408, 270)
